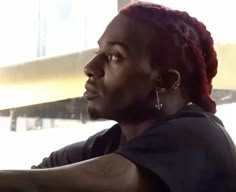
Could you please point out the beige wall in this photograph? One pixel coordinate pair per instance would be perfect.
(62, 77)
(44, 80)
(226, 76)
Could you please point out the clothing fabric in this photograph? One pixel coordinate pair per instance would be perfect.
(189, 152)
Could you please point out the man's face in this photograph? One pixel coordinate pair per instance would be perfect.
(120, 78)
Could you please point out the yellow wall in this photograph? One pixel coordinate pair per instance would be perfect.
(226, 76)
(62, 77)
(43, 80)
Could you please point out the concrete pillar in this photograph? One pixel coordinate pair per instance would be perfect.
(13, 119)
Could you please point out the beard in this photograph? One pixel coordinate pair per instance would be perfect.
(94, 114)
(128, 114)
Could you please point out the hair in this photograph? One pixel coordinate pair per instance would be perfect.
(185, 45)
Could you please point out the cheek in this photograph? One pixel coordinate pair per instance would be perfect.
(125, 89)
(121, 92)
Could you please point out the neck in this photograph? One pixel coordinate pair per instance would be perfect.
(132, 130)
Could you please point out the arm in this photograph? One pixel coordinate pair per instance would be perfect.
(108, 173)
(95, 145)
(70, 154)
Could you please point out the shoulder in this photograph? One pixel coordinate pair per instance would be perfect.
(103, 142)
(195, 127)
(191, 147)
(105, 135)
(194, 120)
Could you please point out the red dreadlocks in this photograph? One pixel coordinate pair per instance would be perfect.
(185, 45)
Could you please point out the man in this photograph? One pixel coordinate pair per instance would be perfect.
(152, 74)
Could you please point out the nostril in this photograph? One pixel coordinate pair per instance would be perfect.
(87, 72)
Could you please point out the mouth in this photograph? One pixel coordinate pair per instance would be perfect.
(91, 92)
(90, 95)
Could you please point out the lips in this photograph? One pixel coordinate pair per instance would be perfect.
(91, 92)
(88, 95)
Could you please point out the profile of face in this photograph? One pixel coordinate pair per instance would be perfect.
(120, 77)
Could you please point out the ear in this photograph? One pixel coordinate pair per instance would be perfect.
(168, 80)
(159, 81)
(159, 85)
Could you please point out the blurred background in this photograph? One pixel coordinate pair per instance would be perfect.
(44, 46)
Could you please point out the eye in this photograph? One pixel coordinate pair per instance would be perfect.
(114, 58)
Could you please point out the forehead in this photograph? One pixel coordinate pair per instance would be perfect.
(128, 31)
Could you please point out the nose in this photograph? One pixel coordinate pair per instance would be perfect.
(94, 68)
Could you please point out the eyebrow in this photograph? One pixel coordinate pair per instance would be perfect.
(119, 43)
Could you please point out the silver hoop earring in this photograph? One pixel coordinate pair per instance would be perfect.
(158, 105)
(177, 82)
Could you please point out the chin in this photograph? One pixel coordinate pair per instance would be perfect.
(94, 114)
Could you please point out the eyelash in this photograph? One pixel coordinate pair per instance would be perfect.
(109, 56)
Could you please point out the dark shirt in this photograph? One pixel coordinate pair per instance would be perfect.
(189, 152)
